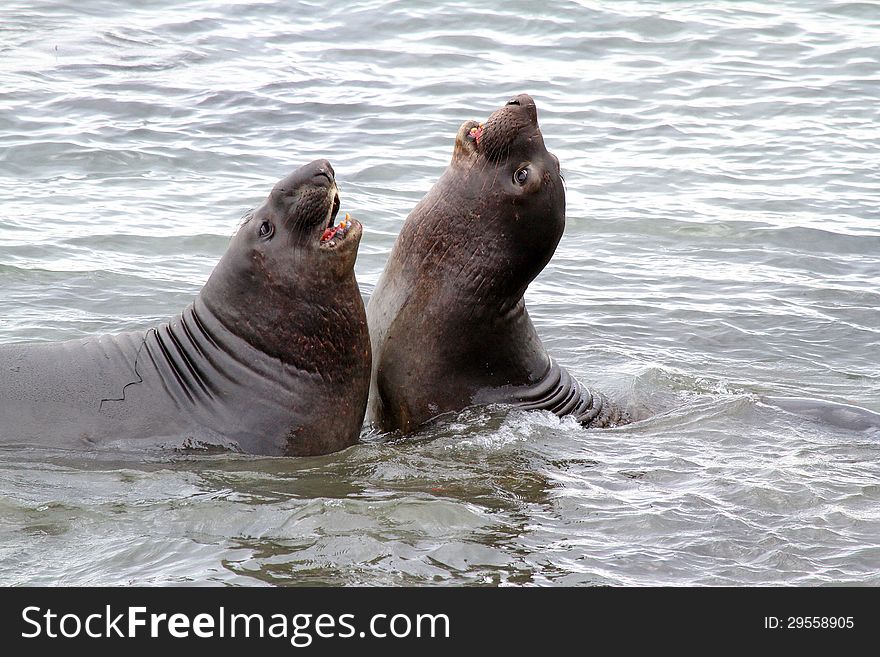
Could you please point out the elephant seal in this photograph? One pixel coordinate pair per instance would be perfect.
(448, 324)
(272, 357)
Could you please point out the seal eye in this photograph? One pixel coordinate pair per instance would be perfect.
(521, 176)
(266, 229)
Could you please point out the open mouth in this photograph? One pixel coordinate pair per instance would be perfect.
(333, 234)
(475, 133)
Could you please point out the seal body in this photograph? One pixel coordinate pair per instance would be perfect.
(835, 414)
(272, 357)
(448, 324)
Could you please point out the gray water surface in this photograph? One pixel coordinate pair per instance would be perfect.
(723, 182)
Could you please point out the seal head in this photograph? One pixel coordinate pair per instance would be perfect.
(286, 285)
(514, 193)
(281, 267)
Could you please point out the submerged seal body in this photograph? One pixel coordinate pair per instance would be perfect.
(448, 323)
(272, 357)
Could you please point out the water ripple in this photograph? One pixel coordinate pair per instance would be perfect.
(721, 245)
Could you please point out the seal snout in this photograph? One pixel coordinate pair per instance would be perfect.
(528, 103)
(508, 129)
(323, 172)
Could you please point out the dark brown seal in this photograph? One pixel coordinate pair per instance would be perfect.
(448, 323)
(272, 357)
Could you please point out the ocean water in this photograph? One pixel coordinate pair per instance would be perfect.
(723, 183)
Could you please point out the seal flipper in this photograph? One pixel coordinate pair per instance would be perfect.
(560, 393)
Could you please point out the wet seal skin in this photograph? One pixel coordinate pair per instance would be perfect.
(448, 323)
(272, 357)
